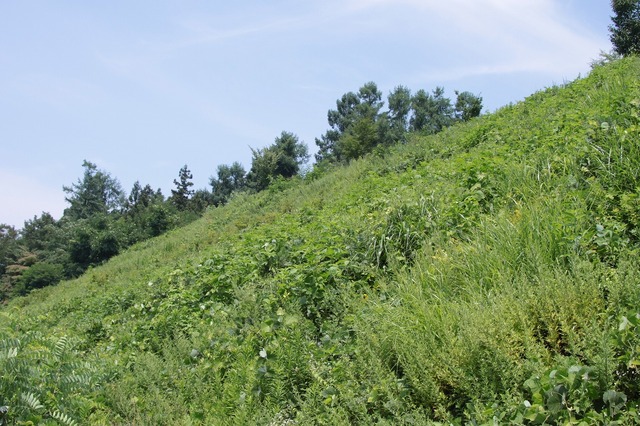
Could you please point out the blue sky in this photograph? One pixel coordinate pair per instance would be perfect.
(143, 87)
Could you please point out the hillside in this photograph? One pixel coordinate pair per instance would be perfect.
(487, 274)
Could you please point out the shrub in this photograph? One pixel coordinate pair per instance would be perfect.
(39, 275)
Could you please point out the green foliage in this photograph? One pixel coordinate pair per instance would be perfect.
(467, 106)
(487, 274)
(9, 247)
(282, 159)
(625, 31)
(44, 381)
(230, 179)
(181, 195)
(432, 112)
(96, 193)
(39, 275)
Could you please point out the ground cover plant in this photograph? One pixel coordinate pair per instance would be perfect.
(484, 275)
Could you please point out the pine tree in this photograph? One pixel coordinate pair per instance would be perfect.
(181, 195)
(625, 31)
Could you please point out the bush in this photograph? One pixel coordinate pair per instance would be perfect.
(39, 275)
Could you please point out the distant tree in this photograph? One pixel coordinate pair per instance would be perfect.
(467, 106)
(230, 179)
(625, 31)
(142, 206)
(399, 101)
(140, 198)
(393, 124)
(431, 112)
(181, 195)
(10, 249)
(92, 241)
(362, 107)
(45, 238)
(339, 120)
(370, 100)
(284, 158)
(159, 220)
(201, 199)
(360, 138)
(96, 193)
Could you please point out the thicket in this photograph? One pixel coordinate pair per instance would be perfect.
(488, 274)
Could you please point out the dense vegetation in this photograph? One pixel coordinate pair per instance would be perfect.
(102, 220)
(488, 274)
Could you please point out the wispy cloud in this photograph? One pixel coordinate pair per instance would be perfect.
(508, 36)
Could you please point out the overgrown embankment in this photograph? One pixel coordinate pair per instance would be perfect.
(486, 274)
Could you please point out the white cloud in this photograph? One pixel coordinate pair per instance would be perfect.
(508, 36)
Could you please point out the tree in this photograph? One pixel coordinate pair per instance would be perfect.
(10, 248)
(96, 193)
(350, 109)
(200, 200)
(38, 233)
(181, 195)
(45, 238)
(284, 158)
(39, 275)
(625, 31)
(399, 101)
(467, 106)
(141, 198)
(394, 124)
(360, 138)
(92, 241)
(230, 179)
(431, 112)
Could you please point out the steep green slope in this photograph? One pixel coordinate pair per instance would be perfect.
(486, 274)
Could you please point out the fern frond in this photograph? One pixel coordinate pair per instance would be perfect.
(10, 342)
(63, 418)
(8, 353)
(32, 336)
(31, 401)
(77, 380)
(60, 347)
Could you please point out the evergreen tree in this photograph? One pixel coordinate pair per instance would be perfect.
(284, 158)
(625, 31)
(393, 125)
(10, 248)
(362, 109)
(431, 112)
(467, 106)
(399, 101)
(230, 179)
(96, 193)
(183, 192)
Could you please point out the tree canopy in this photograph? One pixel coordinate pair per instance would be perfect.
(281, 159)
(625, 31)
(358, 124)
(183, 192)
(97, 192)
(230, 179)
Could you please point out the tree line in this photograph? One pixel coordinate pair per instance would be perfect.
(101, 219)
